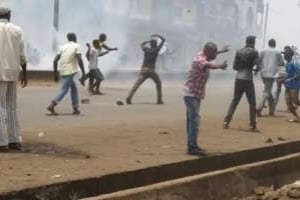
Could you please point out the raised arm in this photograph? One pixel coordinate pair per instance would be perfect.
(224, 49)
(109, 48)
(103, 53)
(143, 45)
(216, 66)
(163, 40)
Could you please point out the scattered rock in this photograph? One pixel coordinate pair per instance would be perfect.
(85, 101)
(41, 134)
(260, 191)
(281, 139)
(164, 133)
(269, 141)
(287, 192)
(120, 103)
(297, 183)
(294, 193)
(56, 176)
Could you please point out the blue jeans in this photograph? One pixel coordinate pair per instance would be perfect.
(192, 120)
(67, 83)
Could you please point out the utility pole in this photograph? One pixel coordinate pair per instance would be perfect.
(266, 24)
(55, 25)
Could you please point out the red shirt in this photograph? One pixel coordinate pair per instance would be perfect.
(198, 76)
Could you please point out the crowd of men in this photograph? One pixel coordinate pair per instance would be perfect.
(248, 62)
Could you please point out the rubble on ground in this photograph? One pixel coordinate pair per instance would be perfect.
(288, 192)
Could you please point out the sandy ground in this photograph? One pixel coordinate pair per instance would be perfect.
(108, 138)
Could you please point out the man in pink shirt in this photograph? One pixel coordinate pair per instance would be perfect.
(194, 92)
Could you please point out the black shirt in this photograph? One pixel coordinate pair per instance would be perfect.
(150, 57)
(246, 57)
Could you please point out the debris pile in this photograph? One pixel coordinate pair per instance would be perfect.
(288, 192)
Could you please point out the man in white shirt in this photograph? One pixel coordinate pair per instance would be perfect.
(12, 59)
(270, 63)
(67, 60)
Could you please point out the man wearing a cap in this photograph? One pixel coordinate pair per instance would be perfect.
(12, 59)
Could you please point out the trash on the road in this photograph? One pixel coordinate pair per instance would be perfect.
(281, 139)
(164, 133)
(56, 176)
(41, 134)
(269, 140)
(120, 103)
(85, 101)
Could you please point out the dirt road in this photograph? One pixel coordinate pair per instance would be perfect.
(108, 138)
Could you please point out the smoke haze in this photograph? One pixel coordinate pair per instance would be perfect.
(88, 18)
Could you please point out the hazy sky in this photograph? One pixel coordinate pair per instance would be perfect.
(283, 22)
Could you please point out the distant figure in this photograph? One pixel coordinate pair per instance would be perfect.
(67, 60)
(148, 67)
(244, 62)
(101, 40)
(11, 60)
(270, 63)
(94, 73)
(292, 83)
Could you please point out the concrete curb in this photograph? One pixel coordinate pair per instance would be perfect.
(132, 179)
(221, 184)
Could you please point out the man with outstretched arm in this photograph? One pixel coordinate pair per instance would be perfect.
(194, 92)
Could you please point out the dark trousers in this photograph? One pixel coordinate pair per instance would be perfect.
(241, 87)
(94, 75)
(144, 75)
(292, 101)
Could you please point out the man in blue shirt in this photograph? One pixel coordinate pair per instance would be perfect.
(292, 83)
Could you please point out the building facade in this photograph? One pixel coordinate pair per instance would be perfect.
(188, 24)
